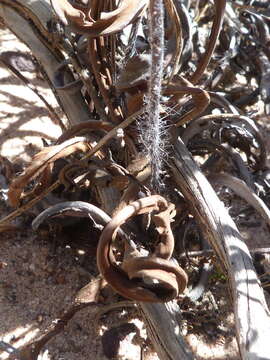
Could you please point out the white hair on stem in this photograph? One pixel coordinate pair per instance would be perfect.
(152, 130)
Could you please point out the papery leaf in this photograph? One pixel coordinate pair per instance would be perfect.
(40, 162)
(65, 11)
(84, 128)
(8, 228)
(109, 22)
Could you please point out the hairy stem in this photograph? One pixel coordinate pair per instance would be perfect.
(152, 131)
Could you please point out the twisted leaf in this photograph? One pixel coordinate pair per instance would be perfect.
(40, 163)
(109, 22)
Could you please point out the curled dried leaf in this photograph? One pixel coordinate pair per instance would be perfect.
(83, 128)
(171, 278)
(40, 162)
(200, 97)
(109, 22)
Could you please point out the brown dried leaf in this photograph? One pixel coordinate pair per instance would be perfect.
(136, 72)
(8, 227)
(41, 161)
(84, 128)
(90, 292)
(109, 22)
(7, 168)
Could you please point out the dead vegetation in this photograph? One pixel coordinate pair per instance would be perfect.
(158, 114)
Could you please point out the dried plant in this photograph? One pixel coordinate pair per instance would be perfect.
(139, 88)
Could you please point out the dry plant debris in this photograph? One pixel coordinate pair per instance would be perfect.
(145, 74)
